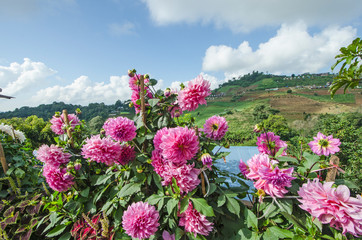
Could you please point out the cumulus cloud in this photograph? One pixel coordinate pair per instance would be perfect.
(117, 29)
(83, 91)
(214, 82)
(292, 50)
(19, 76)
(245, 15)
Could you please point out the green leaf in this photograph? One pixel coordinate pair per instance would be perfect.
(57, 230)
(349, 184)
(281, 233)
(102, 179)
(203, 207)
(152, 82)
(154, 199)
(288, 159)
(294, 220)
(129, 189)
(171, 204)
(233, 205)
(19, 173)
(85, 192)
(153, 102)
(221, 200)
(251, 219)
(65, 236)
(184, 204)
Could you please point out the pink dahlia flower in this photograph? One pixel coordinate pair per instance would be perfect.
(127, 154)
(206, 160)
(58, 123)
(57, 178)
(120, 129)
(179, 145)
(323, 145)
(158, 162)
(274, 181)
(157, 140)
(268, 177)
(244, 169)
(332, 205)
(140, 220)
(215, 127)
(53, 155)
(186, 176)
(194, 222)
(194, 94)
(134, 82)
(103, 150)
(270, 143)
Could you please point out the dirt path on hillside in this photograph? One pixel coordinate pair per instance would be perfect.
(300, 104)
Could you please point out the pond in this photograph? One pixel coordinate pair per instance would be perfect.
(233, 160)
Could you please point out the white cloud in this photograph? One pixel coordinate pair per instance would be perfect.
(83, 91)
(117, 29)
(245, 15)
(214, 82)
(19, 77)
(292, 50)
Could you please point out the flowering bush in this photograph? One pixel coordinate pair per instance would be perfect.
(155, 177)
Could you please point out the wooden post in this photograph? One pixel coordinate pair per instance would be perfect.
(331, 174)
(3, 159)
(68, 126)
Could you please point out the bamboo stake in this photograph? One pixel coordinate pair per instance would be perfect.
(3, 159)
(332, 172)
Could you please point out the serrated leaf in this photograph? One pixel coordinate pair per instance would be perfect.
(288, 159)
(153, 102)
(171, 204)
(102, 179)
(281, 233)
(65, 236)
(184, 204)
(233, 205)
(221, 200)
(129, 189)
(251, 220)
(57, 231)
(85, 192)
(203, 207)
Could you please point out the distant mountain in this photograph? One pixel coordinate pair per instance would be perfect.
(46, 111)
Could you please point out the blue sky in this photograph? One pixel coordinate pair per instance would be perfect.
(79, 51)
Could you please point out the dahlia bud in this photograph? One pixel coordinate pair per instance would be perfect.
(78, 111)
(167, 92)
(149, 161)
(130, 73)
(131, 104)
(257, 128)
(77, 166)
(70, 166)
(57, 114)
(68, 176)
(206, 160)
(140, 169)
(146, 76)
(177, 113)
(227, 144)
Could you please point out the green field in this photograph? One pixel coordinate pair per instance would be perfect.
(338, 98)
